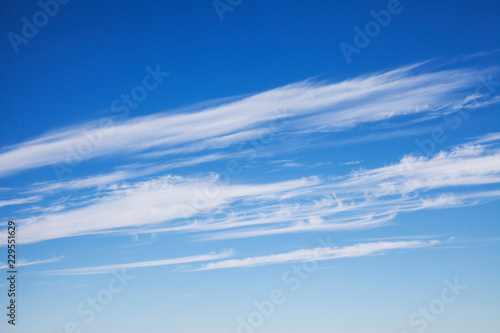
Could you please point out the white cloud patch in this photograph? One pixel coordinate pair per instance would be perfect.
(21, 262)
(215, 210)
(307, 107)
(143, 199)
(141, 264)
(19, 201)
(317, 254)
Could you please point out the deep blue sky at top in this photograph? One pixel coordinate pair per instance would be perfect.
(93, 51)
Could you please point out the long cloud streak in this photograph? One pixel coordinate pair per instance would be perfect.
(309, 106)
(320, 253)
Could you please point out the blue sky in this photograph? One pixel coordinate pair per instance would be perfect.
(227, 166)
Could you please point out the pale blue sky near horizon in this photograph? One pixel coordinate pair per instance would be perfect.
(179, 161)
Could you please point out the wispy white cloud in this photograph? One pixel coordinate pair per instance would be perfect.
(141, 264)
(464, 165)
(308, 106)
(368, 198)
(488, 138)
(151, 202)
(142, 198)
(19, 201)
(363, 199)
(317, 254)
(88, 182)
(21, 262)
(352, 162)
